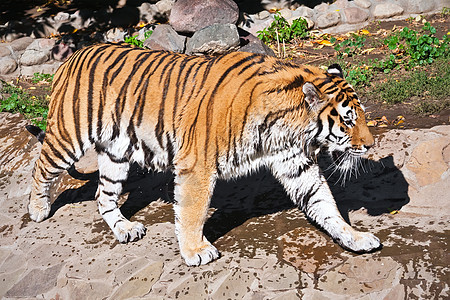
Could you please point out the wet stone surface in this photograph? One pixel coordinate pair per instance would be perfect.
(269, 250)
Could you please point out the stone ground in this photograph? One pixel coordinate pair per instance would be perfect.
(269, 250)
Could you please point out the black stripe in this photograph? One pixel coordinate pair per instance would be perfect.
(108, 211)
(109, 193)
(159, 128)
(51, 161)
(322, 82)
(59, 154)
(118, 221)
(75, 96)
(104, 177)
(90, 97)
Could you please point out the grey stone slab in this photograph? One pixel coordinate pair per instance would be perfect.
(36, 282)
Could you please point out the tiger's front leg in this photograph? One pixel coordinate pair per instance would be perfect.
(308, 188)
(193, 191)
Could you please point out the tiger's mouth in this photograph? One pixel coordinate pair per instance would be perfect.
(339, 155)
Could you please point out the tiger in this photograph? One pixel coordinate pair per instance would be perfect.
(203, 118)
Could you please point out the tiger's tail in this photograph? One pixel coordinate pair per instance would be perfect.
(40, 135)
(37, 132)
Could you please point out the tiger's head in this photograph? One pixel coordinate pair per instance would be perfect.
(341, 124)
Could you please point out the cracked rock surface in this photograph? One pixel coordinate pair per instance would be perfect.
(269, 250)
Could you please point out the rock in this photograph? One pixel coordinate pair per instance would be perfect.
(328, 19)
(417, 6)
(61, 17)
(164, 7)
(362, 275)
(139, 284)
(115, 35)
(397, 292)
(355, 15)
(308, 21)
(253, 26)
(38, 52)
(214, 39)
(234, 285)
(43, 28)
(262, 15)
(285, 13)
(304, 11)
(21, 43)
(386, 10)
(44, 45)
(4, 50)
(36, 282)
(315, 255)
(250, 43)
(323, 7)
(427, 161)
(142, 33)
(164, 37)
(82, 18)
(45, 68)
(191, 15)
(7, 65)
(146, 12)
(341, 3)
(33, 57)
(363, 3)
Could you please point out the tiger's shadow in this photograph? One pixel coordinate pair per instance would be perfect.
(381, 189)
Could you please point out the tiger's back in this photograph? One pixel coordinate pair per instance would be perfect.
(105, 91)
(202, 117)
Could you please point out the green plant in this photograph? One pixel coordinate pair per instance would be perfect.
(359, 76)
(386, 65)
(418, 48)
(349, 46)
(133, 40)
(280, 30)
(38, 77)
(19, 101)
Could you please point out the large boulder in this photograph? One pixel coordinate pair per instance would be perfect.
(192, 15)
(7, 65)
(214, 39)
(250, 43)
(38, 52)
(164, 37)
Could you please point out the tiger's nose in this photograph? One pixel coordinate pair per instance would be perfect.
(368, 141)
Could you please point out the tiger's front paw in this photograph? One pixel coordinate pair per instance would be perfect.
(360, 242)
(126, 231)
(201, 255)
(38, 211)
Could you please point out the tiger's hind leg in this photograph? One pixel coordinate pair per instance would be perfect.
(113, 173)
(47, 168)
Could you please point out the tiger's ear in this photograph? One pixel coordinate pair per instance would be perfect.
(336, 70)
(312, 96)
